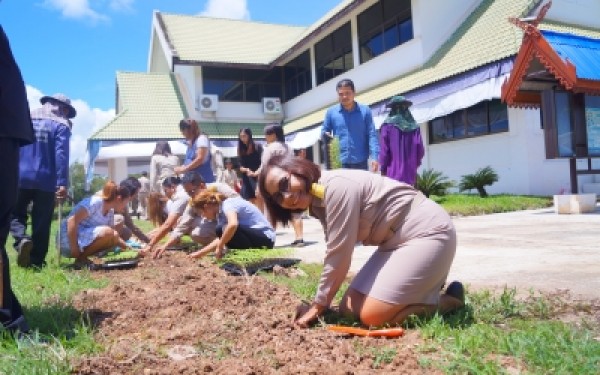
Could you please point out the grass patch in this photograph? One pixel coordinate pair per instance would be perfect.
(472, 204)
(492, 334)
(59, 331)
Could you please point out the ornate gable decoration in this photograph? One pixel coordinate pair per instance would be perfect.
(535, 46)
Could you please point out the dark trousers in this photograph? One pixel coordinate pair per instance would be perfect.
(362, 165)
(42, 209)
(11, 314)
(247, 238)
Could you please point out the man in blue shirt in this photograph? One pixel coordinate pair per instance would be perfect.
(44, 177)
(352, 123)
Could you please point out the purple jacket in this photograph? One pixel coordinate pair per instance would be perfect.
(400, 153)
(44, 165)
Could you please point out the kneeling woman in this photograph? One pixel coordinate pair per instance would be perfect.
(415, 237)
(240, 225)
(89, 227)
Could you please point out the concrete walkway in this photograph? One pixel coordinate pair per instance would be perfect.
(534, 249)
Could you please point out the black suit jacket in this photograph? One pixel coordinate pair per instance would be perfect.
(15, 121)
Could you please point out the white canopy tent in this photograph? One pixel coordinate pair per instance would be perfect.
(145, 149)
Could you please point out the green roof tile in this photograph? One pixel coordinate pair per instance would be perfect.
(205, 39)
(151, 107)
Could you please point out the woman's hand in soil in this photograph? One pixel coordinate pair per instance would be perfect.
(158, 253)
(306, 313)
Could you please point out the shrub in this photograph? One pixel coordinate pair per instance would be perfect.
(432, 182)
(483, 177)
(334, 153)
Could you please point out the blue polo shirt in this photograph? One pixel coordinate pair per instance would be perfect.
(356, 132)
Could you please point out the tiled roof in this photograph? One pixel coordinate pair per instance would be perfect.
(205, 39)
(152, 107)
(485, 36)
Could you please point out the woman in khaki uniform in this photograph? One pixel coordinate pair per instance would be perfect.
(415, 237)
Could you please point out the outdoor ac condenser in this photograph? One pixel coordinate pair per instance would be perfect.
(271, 106)
(208, 103)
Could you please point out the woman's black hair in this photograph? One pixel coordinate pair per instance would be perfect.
(162, 148)
(302, 168)
(171, 181)
(245, 149)
(277, 130)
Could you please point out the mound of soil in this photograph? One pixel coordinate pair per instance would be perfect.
(178, 316)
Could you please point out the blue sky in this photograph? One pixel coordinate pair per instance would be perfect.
(76, 46)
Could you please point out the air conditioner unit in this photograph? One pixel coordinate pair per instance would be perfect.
(207, 103)
(271, 106)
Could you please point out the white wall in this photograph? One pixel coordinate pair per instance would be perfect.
(518, 157)
(434, 21)
(577, 12)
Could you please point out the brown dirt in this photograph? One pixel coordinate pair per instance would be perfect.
(175, 316)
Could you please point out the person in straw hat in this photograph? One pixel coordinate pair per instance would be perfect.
(44, 177)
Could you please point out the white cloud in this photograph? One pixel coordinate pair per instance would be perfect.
(121, 5)
(235, 9)
(87, 122)
(76, 9)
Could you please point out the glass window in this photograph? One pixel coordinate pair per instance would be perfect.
(243, 85)
(439, 131)
(333, 54)
(592, 119)
(477, 119)
(383, 26)
(297, 77)
(483, 118)
(498, 116)
(564, 125)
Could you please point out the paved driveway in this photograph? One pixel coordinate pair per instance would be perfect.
(535, 249)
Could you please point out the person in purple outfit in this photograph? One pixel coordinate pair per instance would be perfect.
(401, 145)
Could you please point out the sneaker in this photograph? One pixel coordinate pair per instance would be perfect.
(456, 290)
(24, 250)
(298, 243)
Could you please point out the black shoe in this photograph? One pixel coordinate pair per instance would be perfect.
(456, 290)
(298, 243)
(24, 252)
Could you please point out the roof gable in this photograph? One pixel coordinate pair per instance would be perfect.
(197, 39)
(151, 107)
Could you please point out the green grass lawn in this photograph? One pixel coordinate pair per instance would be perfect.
(492, 334)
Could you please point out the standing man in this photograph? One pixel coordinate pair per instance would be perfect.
(353, 124)
(15, 131)
(44, 177)
(143, 193)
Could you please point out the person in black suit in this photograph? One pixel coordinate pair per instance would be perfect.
(16, 130)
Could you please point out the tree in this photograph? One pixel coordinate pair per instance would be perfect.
(482, 177)
(432, 182)
(77, 182)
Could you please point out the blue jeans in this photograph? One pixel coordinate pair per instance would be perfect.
(362, 165)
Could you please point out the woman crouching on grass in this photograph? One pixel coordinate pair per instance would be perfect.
(89, 228)
(240, 225)
(415, 237)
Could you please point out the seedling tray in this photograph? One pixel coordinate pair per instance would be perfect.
(185, 247)
(265, 264)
